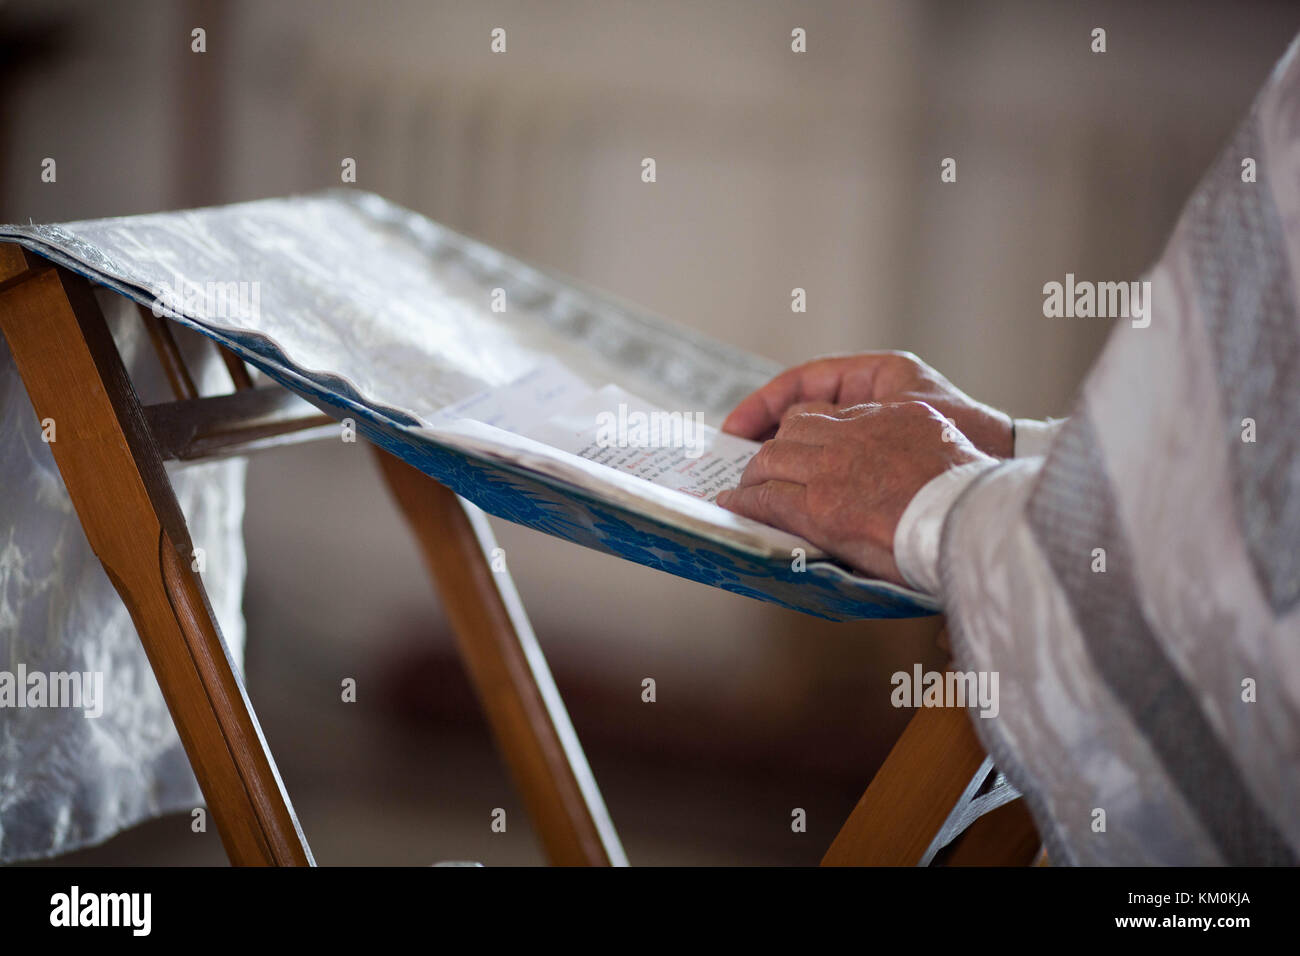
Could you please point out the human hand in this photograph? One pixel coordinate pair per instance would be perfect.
(842, 477)
(848, 380)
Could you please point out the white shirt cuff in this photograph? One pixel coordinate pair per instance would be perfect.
(916, 539)
(1034, 437)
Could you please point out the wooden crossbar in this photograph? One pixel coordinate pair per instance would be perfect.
(242, 422)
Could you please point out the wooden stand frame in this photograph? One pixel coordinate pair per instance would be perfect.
(110, 451)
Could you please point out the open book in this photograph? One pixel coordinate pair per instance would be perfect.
(539, 400)
(610, 427)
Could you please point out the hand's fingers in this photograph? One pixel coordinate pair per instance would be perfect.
(809, 428)
(810, 408)
(815, 381)
(839, 379)
(782, 460)
(856, 411)
(778, 503)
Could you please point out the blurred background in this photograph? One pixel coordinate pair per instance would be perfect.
(775, 170)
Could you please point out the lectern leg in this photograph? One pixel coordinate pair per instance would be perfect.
(115, 478)
(916, 788)
(508, 670)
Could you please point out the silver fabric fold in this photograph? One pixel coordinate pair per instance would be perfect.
(1136, 588)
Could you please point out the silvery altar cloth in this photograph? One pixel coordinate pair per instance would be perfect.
(377, 315)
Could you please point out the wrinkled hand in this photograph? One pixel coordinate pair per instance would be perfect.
(847, 380)
(842, 477)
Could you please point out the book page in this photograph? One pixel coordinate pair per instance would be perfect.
(673, 449)
(613, 428)
(528, 401)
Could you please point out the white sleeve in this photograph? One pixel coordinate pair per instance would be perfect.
(916, 539)
(1034, 437)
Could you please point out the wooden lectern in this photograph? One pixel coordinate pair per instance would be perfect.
(110, 451)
